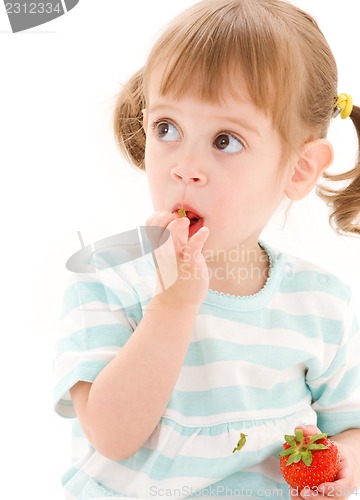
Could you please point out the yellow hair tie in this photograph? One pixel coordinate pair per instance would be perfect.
(343, 105)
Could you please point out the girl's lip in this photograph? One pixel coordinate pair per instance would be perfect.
(190, 211)
(194, 227)
(196, 220)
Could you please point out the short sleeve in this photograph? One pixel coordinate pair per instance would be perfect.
(100, 312)
(336, 392)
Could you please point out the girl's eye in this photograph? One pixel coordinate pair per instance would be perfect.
(166, 131)
(228, 143)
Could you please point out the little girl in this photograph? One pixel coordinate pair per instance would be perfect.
(228, 117)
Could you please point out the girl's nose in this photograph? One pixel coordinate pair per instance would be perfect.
(188, 174)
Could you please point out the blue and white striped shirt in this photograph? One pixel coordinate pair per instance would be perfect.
(260, 365)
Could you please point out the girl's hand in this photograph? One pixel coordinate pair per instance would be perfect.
(183, 277)
(344, 484)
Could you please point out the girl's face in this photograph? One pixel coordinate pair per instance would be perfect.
(219, 162)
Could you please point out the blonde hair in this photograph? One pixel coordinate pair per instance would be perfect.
(280, 54)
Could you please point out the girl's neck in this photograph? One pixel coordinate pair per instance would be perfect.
(239, 273)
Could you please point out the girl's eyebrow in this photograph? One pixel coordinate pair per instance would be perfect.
(161, 107)
(236, 121)
(242, 124)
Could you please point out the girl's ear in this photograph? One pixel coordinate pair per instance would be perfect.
(316, 156)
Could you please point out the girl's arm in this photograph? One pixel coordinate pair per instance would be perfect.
(121, 408)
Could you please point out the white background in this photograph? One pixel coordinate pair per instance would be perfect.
(61, 172)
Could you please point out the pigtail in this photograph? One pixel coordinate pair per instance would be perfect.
(128, 120)
(345, 203)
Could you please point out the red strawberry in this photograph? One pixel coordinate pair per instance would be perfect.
(309, 461)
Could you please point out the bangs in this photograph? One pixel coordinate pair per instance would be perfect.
(225, 46)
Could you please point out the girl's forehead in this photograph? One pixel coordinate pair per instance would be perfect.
(230, 88)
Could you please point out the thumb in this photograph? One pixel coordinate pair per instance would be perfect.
(308, 430)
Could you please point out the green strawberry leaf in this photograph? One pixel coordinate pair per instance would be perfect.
(290, 440)
(291, 459)
(294, 458)
(315, 437)
(317, 447)
(241, 442)
(307, 457)
(299, 435)
(286, 452)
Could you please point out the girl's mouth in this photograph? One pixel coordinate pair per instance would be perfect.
(195, 224)
(196, 221)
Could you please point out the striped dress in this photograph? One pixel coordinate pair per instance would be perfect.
(258, 365)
